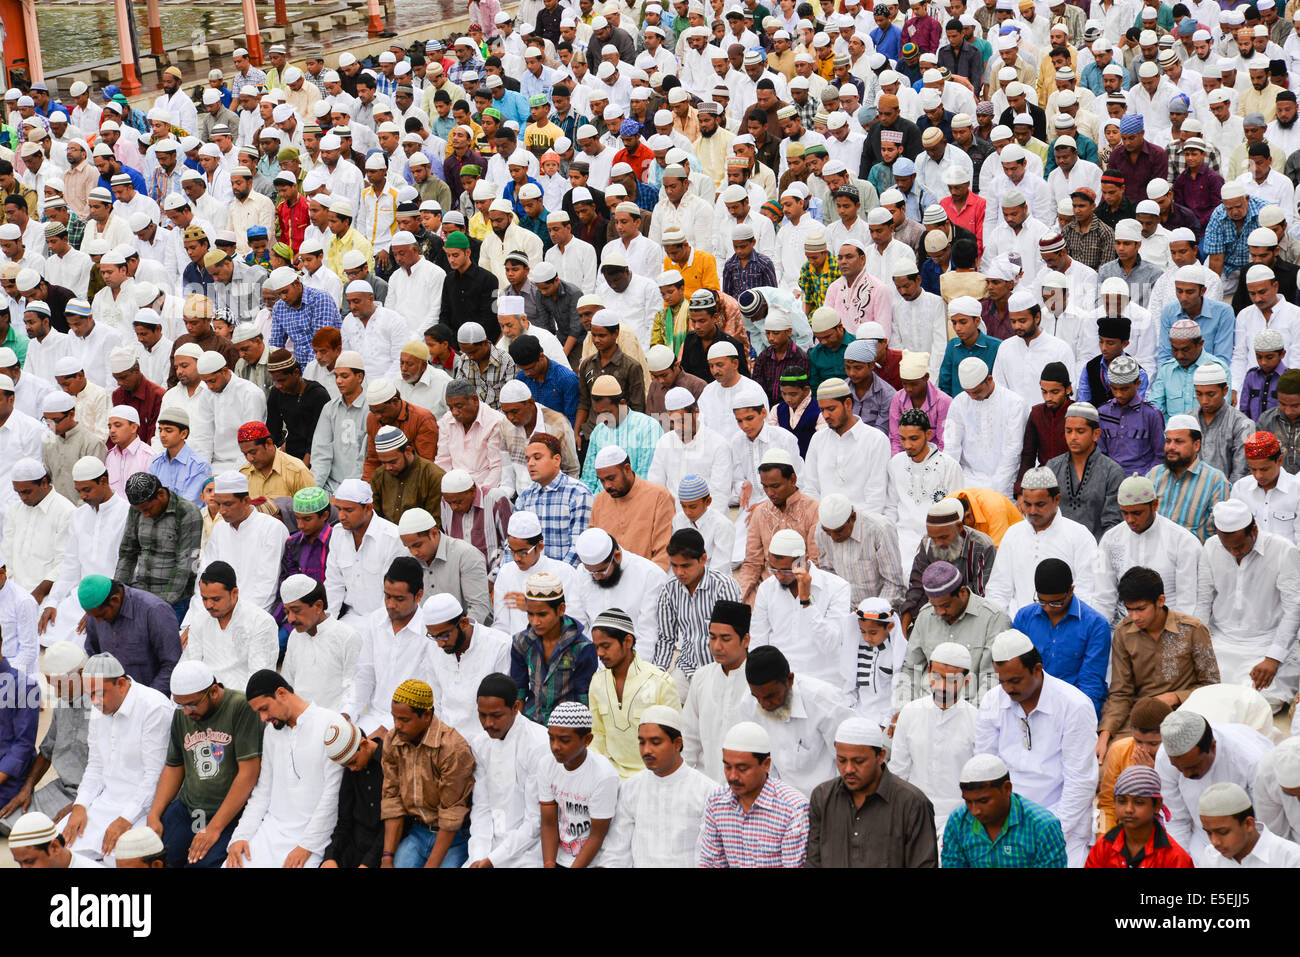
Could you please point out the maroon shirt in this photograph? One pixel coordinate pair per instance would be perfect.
(147, 402)
(1044, 438)
(1152, 162)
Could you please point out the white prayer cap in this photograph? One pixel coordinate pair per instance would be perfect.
(7, 384)
(1181, 731)
(1271, 215)
(120, 359)
(1260, 272)
(65, 658)
(27, 470)
(951, 653)
(1182, 421)
(776, 456)
(1286, 760)
(354, 490)
(191, 676)
(1010, 644)
(1232, 515)
(442, 608)
(722, 350)
(88, 467)
(834, 510)
(661, 715)
(414, 521)
(470, 333)
(524, 525)
(660, 357)
(342, 739)
(211, 362)
(971, 372)
(7, 358)
(745, 736)
(860, 731)
(380, 391)
(982, 767)
(879, 217)
(609, 456)
(281, 277)
(676, 400)
(787, 542)
(32, 830)
(103, 665)
(512, 391)
(1223, 799)
(231, 483)
(594, 546)
(124, 412)
(964, 306)
(777, 323)
(297, 587)
(457, 480)
(1232, 190)
(749, 395)
(1128, 230)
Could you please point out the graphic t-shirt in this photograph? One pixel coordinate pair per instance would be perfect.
(589, 792)
(211, 748)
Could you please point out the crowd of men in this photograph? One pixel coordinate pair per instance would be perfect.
(723, 435)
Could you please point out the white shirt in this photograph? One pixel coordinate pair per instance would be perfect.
(44, 354)
(930, 747)
(239, 401)
(803, 745)
(921, 326)
(71, 271)
(985, 437)
(1019, 364)
(1165, 547)
(789, 251)
(637, 593)
(1001, 239)
(94, 539)
(249, 642)
(707, 455)
(715, 703)
(93, 352)
(416, 295)
(355, 576)
(322, 667)
(35, 539)
(1255, 601)
(817, 640)
(327, 282)
(1269, 851)
(21, 436)
(155, 363)
(1238, 751)
(1276, 190)
(576, 264)
(1012, 583)
(511, 579)
(716, 411)
(1275, 510)
(693, 216)
(881, 263)
(645, 257)
(253, 550)
(1284, 317)
(455, 680)
(18, 614)
(659, 819)
(635, 306)
(345, 182)
(719, 536)
(852, 464)
(379, 340)
(505, 820)
(746, 455)
(386, 659)
(1274, 808)
(1059, 768)
(295, 802)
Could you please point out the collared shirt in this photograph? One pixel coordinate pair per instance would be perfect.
(1022, 547)
(487, 382)
(354, 573)
(385, 659)
(1179, 660)
(803, 753)
(873, 408)
(683, 619)
(930, 747)
(985, 348)
(430, 779)
(1166, 548)
(296, 326)
(1252, 601)
(1076, 649)
(338, 446)
(477, 450)
(304, 556)
(419, 485)
(772, 833)
(160, 555)
(637, 434)
(564, 508)
(868, 560)
(288, 475)
(1269, 851)
(1224, 236)
(976, 435)
(35, 541)
(1132, 435)
(765, 520)
(1223, 441)
(1030, 836)
(616, 717)
(852, 463)
(894, 827)
(1276, 509)
(558, 391)
(184, 474)
(143, 637)
(123, 464)
(768, 369)
(247, 644)
(1189, 499)
(322, 667)
(814, 284)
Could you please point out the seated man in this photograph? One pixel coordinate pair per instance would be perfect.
(449, 566)
(358, 838)
(361, 548)
(468, 651)
(476, 516)
(1140, 838)
(469, 435)
(322, 653)
(1227, 815)
(552, 660)
(248, 539)
(405, 480)
(609, 577)
(232, 638)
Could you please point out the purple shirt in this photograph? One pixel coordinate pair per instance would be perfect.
(1259, 391)
(935, 406)
(302, 556)
(1200, 195)
(1133, 435)
(1151, 162)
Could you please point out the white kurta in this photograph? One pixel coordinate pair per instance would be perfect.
(707, 455)
(1277, 509)
(36, 539)
(355, 576)
(323, 667)
(853, 464)
(637, 593)
(803, 745)
(1164, 547)
(986, 437)
(659, 819)
(1269, 851)
(18, 640)
(511, 579)
(930, 747)
(716, 411)
(296, 800)
(238, 402)
(94, 539)
(716, 702)
(249, 642)
(1276, 809)
(126, 754)
(815, 640)
(455, 680)
(379, 340)
(1012, 583)
(253, 550)
(416, 295)
(505, 821)
(719, 536)
(1019, 365)
(746, 455)
(915, 487)
(385, 659)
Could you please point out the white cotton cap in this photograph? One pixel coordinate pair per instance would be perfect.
(415, 521)
(1210, 374)
(594, 545)
(88, 467)
(512, 391)
(297, 587)
(1010, 644)
(380, 391)
(860, 732)
(1232, 515)
(458, 480)
(120, 359)
(67, 657)
(964, 306)
(971, 372)
(1223, 799)
(103, 665)
(722, 350)
(524, 525)
(1182, 421)
(211, 362)
(354, 490)
(609, 456)
(231, 483)
(191, 676)
(834, 510)
(676, 399)
(747, 736)
(27, 470)
(1286, 759)
(660, 357)
(124, 412)
(953, 654)
(1181, 731)
(342, 739)
(442, 608)
(32, 830)
(789, 543)
(138, 842)
(982, 767)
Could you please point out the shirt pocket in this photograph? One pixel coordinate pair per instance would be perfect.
(1282, 515)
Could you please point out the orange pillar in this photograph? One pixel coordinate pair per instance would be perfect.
(281, 14)
(155, 28)
(376, 24)
(130, 71)
(252, 33)
(34, 66)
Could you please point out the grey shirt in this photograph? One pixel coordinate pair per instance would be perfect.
(61, 453)
(338, 447)
(1223, 441)
(978, 625)
(1091, 499)
(1140, 281)
(458, 570)
(66, 744)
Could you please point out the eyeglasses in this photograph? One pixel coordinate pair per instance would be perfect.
(521, 552)
(1026, 733)
(444, 635)
(1058, 604)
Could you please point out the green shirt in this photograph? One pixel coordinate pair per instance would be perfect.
(824, 364)
(17, 343)
(1030, 837)
(210, 748)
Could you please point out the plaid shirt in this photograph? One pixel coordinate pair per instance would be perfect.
(565, 677)
(1288, 436)
(564, 509)
(76, 229)
(1092, 248)
(647, 196)
(458, 69)
(807, 112)
(1222, 235)
(1178, 160)
(1030, 837)
(159, 555)
(773, 833)
(813, 285)
(500, 370)
(737, 276)
(316, 310)
(684, 620)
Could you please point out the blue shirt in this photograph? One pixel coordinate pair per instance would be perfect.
(1218, 327)
(136, 178)
(1222, 235)
(18, 720)
(1174, 391)
(889, 42)
(564, 509)
(1077, 650)
(513, 106)
(184, 474)
(315, 311)
(558, 391)
(985, 347)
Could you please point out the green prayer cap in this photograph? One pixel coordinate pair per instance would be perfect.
(493, 112)
(309, 501)
(283, 251)
(470, 169)
(795, 377)
(288, 153)
(457, 240)
(817, 149)
(538, 99)
(93, 591)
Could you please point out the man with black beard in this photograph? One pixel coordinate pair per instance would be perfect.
(610, 577)
(1283, 131)
(470, 652)
(947, 539)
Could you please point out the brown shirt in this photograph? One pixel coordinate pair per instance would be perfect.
(641, 521)
(430, 779)
(800, 513)
(420, 486)
(893, 828)
(417, 424)
(628, 373)
(1180, 660)
(654, 400)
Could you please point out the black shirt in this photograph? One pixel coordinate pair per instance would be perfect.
(291, 419)
(871, 149)
(1286, 288)
(358, 836)
(471, 297)
(695, 355)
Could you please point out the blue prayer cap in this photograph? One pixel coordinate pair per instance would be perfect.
(692, 489)
(629, 128)
(861, 350)
(904, 167)
(1131, 123)
(256, 232)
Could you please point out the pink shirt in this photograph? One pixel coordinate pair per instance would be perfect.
(122, 465)
(867, 300)
(935, 406)
(478, 450)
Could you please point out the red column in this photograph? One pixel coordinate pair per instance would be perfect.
(130, 70)
(252, 33)
(376, 24)
(155, 28)
(281, 14)
(34, 66)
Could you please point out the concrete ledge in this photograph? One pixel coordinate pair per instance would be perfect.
(221, 47)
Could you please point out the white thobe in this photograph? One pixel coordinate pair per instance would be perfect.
(35, 539)
(416, 295)
(817, 640)
(1274, 808)
(248, 643)
(1012, 583)
(379, 340)
(693, 216)
(386, 659)
(930, 747)
(44, 354)
(93, 352)
(1284, 318)
(789, 250)
(635, 306)
(323, 667)
(511, 579)
(637, 593)
(94, 539)
(1019, 365)
(1277, 509)
(659, 819)
(19, 643)
(716, 411)
(717, 701)
(985, 437)
(921, 325)
(505, 820)
(852, 464)
(295, 802)
(345, 182)
(354, 577)
(21, 436)
(645, 257)
(914, 488)
(719, 535)
(803, 745)
(71, 271)
(1059, 768)
(223, 412)
(707, 455)
(455, 679)
(1000, 239)
(155, 363)
(126, 753)
(1165, 547)
(881, 262)
(253, 550)
(576, 264)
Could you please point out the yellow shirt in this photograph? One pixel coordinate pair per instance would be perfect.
(1251, 100)
(700, 272)
(288, 476)
(615, 722)
(479, 228)
(339, 246)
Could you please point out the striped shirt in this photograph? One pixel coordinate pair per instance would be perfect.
(684, 620)
(1189, 499)
(564, 509)
(1030, 837)
(773, 833)
(869, 560)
